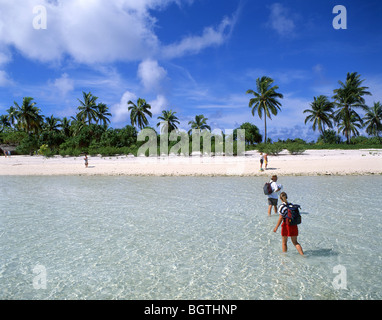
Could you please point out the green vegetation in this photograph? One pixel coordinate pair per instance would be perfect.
(265, 100)
(89, 132)
(200, 123)
(170, 121)
(320, 114)
(139, 113)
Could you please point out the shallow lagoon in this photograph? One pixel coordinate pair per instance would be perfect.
(186, 238)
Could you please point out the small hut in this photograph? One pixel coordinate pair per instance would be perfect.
(6, 148)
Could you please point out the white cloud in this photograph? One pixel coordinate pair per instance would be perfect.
(120, 111)
(4, 79)
(318, 69)
(121, 114)
(292, 132)
(151, 75)
(291, 76)
(226, 111)
(281, 21)
(284, 76)
(16, 29)
(292, 110)
(88, 31)
(194, 44)
(375, 88)
(4, 57)
(95, 31)
(159, 104)
(107, 31)
(64, 84)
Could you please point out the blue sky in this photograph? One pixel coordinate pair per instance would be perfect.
(191, 56)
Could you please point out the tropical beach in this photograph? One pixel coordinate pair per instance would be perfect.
(311, 163)
(138, 140)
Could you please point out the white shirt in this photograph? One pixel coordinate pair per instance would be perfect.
(275, 186)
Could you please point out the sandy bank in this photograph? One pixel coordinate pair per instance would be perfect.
(311, 162)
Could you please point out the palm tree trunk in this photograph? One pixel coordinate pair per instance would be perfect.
(347, 132)
(347, 124)
(265, 128)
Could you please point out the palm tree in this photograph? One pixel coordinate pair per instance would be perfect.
(4, 122)
(351, 127)
(103, 113)
(373, 119)
(200, 123)
(76, 125)
(52, 124)
(138, 113)
(347, 97)
(65, 126)
(265, 100)
(29, 116)
(88, 108)
(320, 114)
(170, 118)
(13, 115)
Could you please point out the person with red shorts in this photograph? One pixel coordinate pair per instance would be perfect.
(286, 229)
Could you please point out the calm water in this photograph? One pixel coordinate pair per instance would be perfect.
(186, 238)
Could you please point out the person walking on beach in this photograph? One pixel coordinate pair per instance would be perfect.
(273, 197)
(261, 161)
(266, 161)
(286, 229)
(86, 160)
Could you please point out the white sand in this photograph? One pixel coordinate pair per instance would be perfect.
(311, 162)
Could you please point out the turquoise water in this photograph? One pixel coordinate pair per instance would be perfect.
(187, 238)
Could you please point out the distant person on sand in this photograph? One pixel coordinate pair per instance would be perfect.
(261, 161)
(273, 197)
(266, 161)
(86, 160)
(286, 229)
(5, 153)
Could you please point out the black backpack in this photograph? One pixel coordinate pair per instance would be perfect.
(292, 215)
(267, 189)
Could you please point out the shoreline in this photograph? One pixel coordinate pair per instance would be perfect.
(310, 163)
